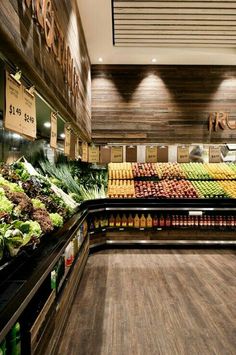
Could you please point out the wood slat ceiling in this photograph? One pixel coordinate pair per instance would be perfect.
(172, 23)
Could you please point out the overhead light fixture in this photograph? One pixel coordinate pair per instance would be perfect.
(47, 124)
(154, 60)
(100, 59)
(62, 135)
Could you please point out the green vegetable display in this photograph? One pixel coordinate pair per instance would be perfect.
(5, 204)
(37, 203)
(56, 219)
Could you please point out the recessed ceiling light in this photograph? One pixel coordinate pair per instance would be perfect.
(154, 60)
(100, 59)
(62, 135)
(47, 124)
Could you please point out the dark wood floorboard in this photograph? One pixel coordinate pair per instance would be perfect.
(154, 302)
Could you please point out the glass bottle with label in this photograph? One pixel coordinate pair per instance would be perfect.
(124, 220)
(136, 221)
(118, 221)
(111, 221)
(155, 221)
(130, 221)
(149, 221)
(143, 222)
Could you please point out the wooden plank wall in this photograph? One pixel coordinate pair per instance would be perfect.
(23, 43)
(161, 104)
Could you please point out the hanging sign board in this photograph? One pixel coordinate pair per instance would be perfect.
(162, 154)
(117, 154)
(214, 155)
(151, 154)
(53, 135)
(29, 114)
(67, 139)
(131, 154)
(183, 154)
(13, 112)
(105, 155)
(84, 152)
(93, 154)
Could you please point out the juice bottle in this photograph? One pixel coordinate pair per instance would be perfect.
(149, 221)
(118, 220)
(136, 221)
(143, 222)
(162, 221)
(124, 220)
(111, 221)
(96, 223)
(155, 221)
(130, 221)
(168, 222)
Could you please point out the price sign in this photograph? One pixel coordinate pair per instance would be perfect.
(214, 155)
(183, 154)
(151, 154)
(93, 154)
(84, 152)
(29, 114)
(13, 112)
(116, 154)
(53, 134)
(67, 132)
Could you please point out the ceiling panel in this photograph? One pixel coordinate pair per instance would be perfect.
(176, 23)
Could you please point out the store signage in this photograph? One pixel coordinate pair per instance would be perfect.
(84, 152)
(20, 110)
(214, 155)
(105, 154)
(220, 120)
(162, 153)
(67, 131)
(151, 154)
(53, 135)
(183, 154)
(94, 154)
(42, 11)
(117, 154)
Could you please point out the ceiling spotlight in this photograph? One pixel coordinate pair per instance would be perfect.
(47, 124)
(62, 135)
(154, 60)
(100, 59)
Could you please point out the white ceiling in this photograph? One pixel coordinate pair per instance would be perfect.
(96, 18)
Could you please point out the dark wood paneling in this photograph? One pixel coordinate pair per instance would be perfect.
(167, 104)
(23, 44)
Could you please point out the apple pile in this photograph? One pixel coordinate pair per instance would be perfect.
(195, 171)
(229, 188)
(220, 171)
(165, 189)
(144, 169)
(209, 189)
(170, 171)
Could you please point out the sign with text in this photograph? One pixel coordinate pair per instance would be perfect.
(151, 154)
(117, 154)
(183, 154)
(13, 98)
(105, 155)
(162, 154)
(84, 156)
(214, 154)
(53, 135)
(131, 154)
(67, 132)
(93, 154)
(29, 114)
(221, 120)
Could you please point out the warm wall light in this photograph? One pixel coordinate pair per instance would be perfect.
(154, 60)
(100, 59)
(47, 124)
(62, 135)
(16, 136)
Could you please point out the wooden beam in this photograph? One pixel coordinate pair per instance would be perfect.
(177, 11)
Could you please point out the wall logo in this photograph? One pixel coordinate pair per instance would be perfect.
(221, 120)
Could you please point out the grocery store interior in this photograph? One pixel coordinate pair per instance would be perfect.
(117, 177)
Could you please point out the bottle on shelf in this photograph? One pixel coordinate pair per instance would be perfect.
(136, 221)
(162, 221)
(118, 221)
(143, 222)
(149, 221)
(130, 221)
(155, 221)
(168, 221)
(96, 223)
(124, 220)
(111, 221)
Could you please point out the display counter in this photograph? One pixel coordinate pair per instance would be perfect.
(38, 286)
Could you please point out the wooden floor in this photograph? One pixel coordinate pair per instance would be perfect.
(151, 302)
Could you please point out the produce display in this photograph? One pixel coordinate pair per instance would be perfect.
(29, 208)
(229, 187)
(195, 171)
(119, 171)
(220, 171)
(170, 171)
(165, 189)
(144, 169)
(210, 189)
(121, 188)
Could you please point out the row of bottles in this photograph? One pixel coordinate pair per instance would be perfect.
(152, 221)
(11, 345)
